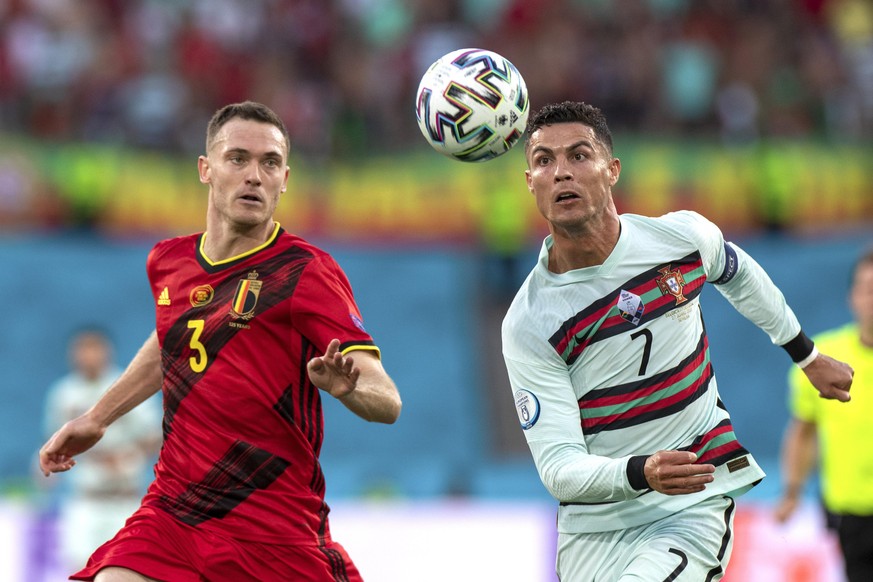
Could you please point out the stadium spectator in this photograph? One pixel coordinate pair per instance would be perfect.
(111, 478)
(339, 71)
(837, 437)
(609, 364)
(252, 324)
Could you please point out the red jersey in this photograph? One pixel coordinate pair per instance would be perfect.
(243, 424)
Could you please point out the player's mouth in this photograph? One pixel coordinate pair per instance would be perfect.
(566, 197)
(251, 198)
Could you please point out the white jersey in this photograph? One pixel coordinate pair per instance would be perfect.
(612, 361)
(121, 461)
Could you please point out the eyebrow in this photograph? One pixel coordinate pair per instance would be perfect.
(581, 143)
(267, 154)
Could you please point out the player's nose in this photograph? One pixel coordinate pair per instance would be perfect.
(253, 175)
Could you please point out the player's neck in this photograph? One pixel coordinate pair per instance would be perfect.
(584, 248)
(867, 337)
(223, 241)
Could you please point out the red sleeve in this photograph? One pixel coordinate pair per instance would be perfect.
(323, 308)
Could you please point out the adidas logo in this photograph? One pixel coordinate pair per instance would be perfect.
(164, 297)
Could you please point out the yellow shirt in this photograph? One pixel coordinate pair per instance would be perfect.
(845, 430)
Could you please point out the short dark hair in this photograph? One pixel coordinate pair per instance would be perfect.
(571, 112)
(864, 259)
(92, 330)
(246, 110)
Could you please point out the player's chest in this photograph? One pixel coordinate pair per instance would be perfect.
(234, 298)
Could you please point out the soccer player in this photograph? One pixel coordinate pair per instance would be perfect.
(610, 367)
(252, 323)
(110, 479)
(838, 435)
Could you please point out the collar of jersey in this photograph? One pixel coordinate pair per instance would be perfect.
(270, 240)
(584, 273)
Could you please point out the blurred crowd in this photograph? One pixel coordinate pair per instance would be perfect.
(343, 73)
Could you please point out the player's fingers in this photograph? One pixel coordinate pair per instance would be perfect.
(833, 393)
(699, 469)
(677, 457)
(332, 348)
(691, 484)
(316, 365)
(56, 464)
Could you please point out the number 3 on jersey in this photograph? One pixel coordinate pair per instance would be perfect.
(198, 361)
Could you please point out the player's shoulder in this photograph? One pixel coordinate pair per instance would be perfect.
(524, 315)
(287, 239)
(680, 220)
(314, 254)
(318, 261)
(172, 244)
(685, 225)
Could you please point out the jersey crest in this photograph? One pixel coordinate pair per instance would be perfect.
(246, 296)
(671, 281)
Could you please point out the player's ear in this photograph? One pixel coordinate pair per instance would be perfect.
(203, 169)
(285, 180)
(614, 171)
(527, 177)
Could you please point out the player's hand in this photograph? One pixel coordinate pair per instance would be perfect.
(832, 378)
(785, 508)
(334, 373)
(675, 473)
(75, 437)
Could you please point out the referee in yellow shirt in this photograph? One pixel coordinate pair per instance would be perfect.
(839, 435)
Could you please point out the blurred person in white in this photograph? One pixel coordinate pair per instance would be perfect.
(109, 480)
(838, 437)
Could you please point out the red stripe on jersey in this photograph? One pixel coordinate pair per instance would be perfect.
(652, 406)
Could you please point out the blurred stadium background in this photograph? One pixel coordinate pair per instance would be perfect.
(757, 113)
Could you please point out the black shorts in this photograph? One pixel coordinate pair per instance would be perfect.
(856, 542)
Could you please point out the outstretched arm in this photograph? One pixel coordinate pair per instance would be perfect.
(798, 457)
(140, 380)
(751, 291)
(359, 382)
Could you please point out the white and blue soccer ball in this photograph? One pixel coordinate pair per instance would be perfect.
(472, 105)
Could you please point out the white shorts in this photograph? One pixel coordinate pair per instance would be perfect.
(85, 524)
(692, 545)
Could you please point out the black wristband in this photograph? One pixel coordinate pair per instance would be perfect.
(800, 347)
(636, 474)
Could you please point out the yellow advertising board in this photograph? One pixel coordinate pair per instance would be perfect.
(425, 197)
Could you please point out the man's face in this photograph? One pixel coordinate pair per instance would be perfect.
(246, 170)
(861, 295)
(90, 355)
(571, 174)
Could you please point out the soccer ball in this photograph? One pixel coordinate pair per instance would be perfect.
(472, 105)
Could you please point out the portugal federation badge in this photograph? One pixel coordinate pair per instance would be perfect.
(672, 282)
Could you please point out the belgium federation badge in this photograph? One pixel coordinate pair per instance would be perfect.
(246, 296)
